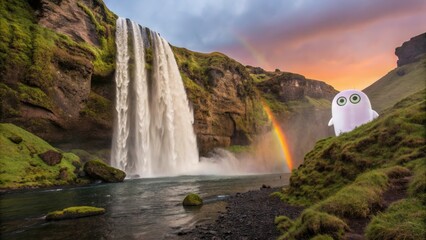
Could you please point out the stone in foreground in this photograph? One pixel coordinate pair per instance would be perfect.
(192, 199)
(99, 170)
(74, 212)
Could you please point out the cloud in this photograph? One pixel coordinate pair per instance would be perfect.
(328, 39)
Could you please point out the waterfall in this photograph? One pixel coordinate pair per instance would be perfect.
(153, 133)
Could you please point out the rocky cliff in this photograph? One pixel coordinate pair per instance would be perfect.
(55, 58)
(412, 50)
(227, 109)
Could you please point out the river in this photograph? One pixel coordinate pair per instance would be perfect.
(135, 209)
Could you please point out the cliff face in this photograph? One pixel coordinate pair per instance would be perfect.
(412, 50)
(57, 57)
(292, 87)
(302, 106)
(227, 109)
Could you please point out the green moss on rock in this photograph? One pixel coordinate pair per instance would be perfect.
(192, 199)
(99, 170)
(74, 212)
(104, 22)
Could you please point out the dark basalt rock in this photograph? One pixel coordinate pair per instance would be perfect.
(51, 157)
(412, 50)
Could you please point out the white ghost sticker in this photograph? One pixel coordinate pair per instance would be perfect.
(350, 109)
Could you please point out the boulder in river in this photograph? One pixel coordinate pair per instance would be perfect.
(192, 199)
(99, 170)
(74, 212)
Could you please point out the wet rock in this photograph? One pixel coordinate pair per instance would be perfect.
(99, 170)
(192, 199)
(74, 212)
(51, 157)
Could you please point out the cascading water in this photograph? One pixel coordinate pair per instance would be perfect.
(153, 133)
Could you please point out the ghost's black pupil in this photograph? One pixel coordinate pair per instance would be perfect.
(355, 98)
(341, 101)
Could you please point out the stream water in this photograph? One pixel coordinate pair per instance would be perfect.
(135, 209)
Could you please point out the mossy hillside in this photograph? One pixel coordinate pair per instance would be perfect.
(395, 138)
(21, 167)
(361, 199)
(364, 196)
(314, 224)
(404, 219)
(397, 84)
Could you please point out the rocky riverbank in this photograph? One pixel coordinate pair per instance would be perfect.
(248, 215)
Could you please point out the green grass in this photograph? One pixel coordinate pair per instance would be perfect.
(361, 198)
(405, 219)
(313, 223)
(20, 165)
(283, 223)
(391, 88)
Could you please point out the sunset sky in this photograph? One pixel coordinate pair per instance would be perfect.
(348, 44)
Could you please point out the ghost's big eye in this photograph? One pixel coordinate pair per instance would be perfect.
(341, 101)
(355, 98)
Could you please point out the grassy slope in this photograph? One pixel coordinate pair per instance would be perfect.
(22, 167)
(391, 88)
(344, 177)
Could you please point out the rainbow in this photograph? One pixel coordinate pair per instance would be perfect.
(281, 136)
(258, 56)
